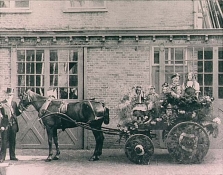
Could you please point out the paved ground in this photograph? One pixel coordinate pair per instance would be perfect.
(113, 161)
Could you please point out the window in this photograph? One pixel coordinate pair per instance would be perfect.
(220, 72)
(86, 6)
(205, 70)
(14, 4)
(46, 70)
(173, 62)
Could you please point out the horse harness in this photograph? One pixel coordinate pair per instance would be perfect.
(63, 108)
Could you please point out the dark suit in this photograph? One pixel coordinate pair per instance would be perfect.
(10, 123)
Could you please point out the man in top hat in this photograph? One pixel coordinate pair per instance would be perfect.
(9, 125)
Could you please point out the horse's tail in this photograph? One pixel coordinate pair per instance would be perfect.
(106, 116)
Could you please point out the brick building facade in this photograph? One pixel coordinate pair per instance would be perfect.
(108, 46)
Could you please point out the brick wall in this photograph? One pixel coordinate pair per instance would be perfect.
(48, 15)
(5, 70)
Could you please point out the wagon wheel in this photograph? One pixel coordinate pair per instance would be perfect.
(188, 142)
(139, 149)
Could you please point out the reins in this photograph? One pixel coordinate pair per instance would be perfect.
(105, 130)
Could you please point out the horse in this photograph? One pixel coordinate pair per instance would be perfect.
(56, 114)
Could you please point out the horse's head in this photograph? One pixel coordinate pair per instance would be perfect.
(25, 100)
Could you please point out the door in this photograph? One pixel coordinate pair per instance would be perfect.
(43, 70)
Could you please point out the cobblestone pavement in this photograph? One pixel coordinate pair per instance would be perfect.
(113, 161)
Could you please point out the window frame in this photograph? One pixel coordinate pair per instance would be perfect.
(13, 9)
(46, 74)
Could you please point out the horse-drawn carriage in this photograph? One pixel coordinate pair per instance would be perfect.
(184, 124)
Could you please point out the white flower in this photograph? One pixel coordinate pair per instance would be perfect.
(217, 120)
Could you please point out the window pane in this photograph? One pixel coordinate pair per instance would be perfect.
(63, 93)
(4, 4)
(179, 55)
(30, 68)
(200, 66)
(30, 79)
(73, 80)
(20, 55)
(73, 68)
(220, 79)
(220, 53)
(166, 56)
(87, 3)
(39, 80)
(208, 66)
(208, 91)
(39, 68)
(20, 4)
(156, 56)
(30, 55)
(39, 55)
(73, 56)
(21, 68)
(40, 91)
(220, 66)
(220, 92)
(208, 79)
(53, 68)
(200, 79)
(63, 80)
(200, 55)
(73, 93)
(53, 80)
(53, 55)
(97, 3)
(21, 80)
(208, 55)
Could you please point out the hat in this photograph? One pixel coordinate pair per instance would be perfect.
(165, 84)
(151, 87)
(175, 75)
(169, 106)
(10, 91)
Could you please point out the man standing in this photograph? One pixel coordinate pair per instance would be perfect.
(9, 125)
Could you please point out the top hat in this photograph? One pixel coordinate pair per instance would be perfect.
(10, 91)
(175, 75)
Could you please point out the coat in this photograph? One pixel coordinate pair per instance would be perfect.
(6, 113)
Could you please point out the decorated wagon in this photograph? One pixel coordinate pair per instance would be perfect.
(185, 120)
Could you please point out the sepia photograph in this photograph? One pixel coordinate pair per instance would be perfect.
(111, 87)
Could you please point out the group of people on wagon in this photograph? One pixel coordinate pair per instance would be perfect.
(177, 102)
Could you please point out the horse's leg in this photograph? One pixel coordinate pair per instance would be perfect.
(55, 139)
(99, 138)
(50, 136)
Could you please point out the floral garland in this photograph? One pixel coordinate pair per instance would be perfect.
(187, 107)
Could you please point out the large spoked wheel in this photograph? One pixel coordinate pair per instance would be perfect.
(139, 149)
(188, 142)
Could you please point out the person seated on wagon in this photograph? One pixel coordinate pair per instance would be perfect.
(152, 103)
(169, 116)
(190, 81)
(175, 87)
(138, 97)
(165, 92)
(139, 108)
